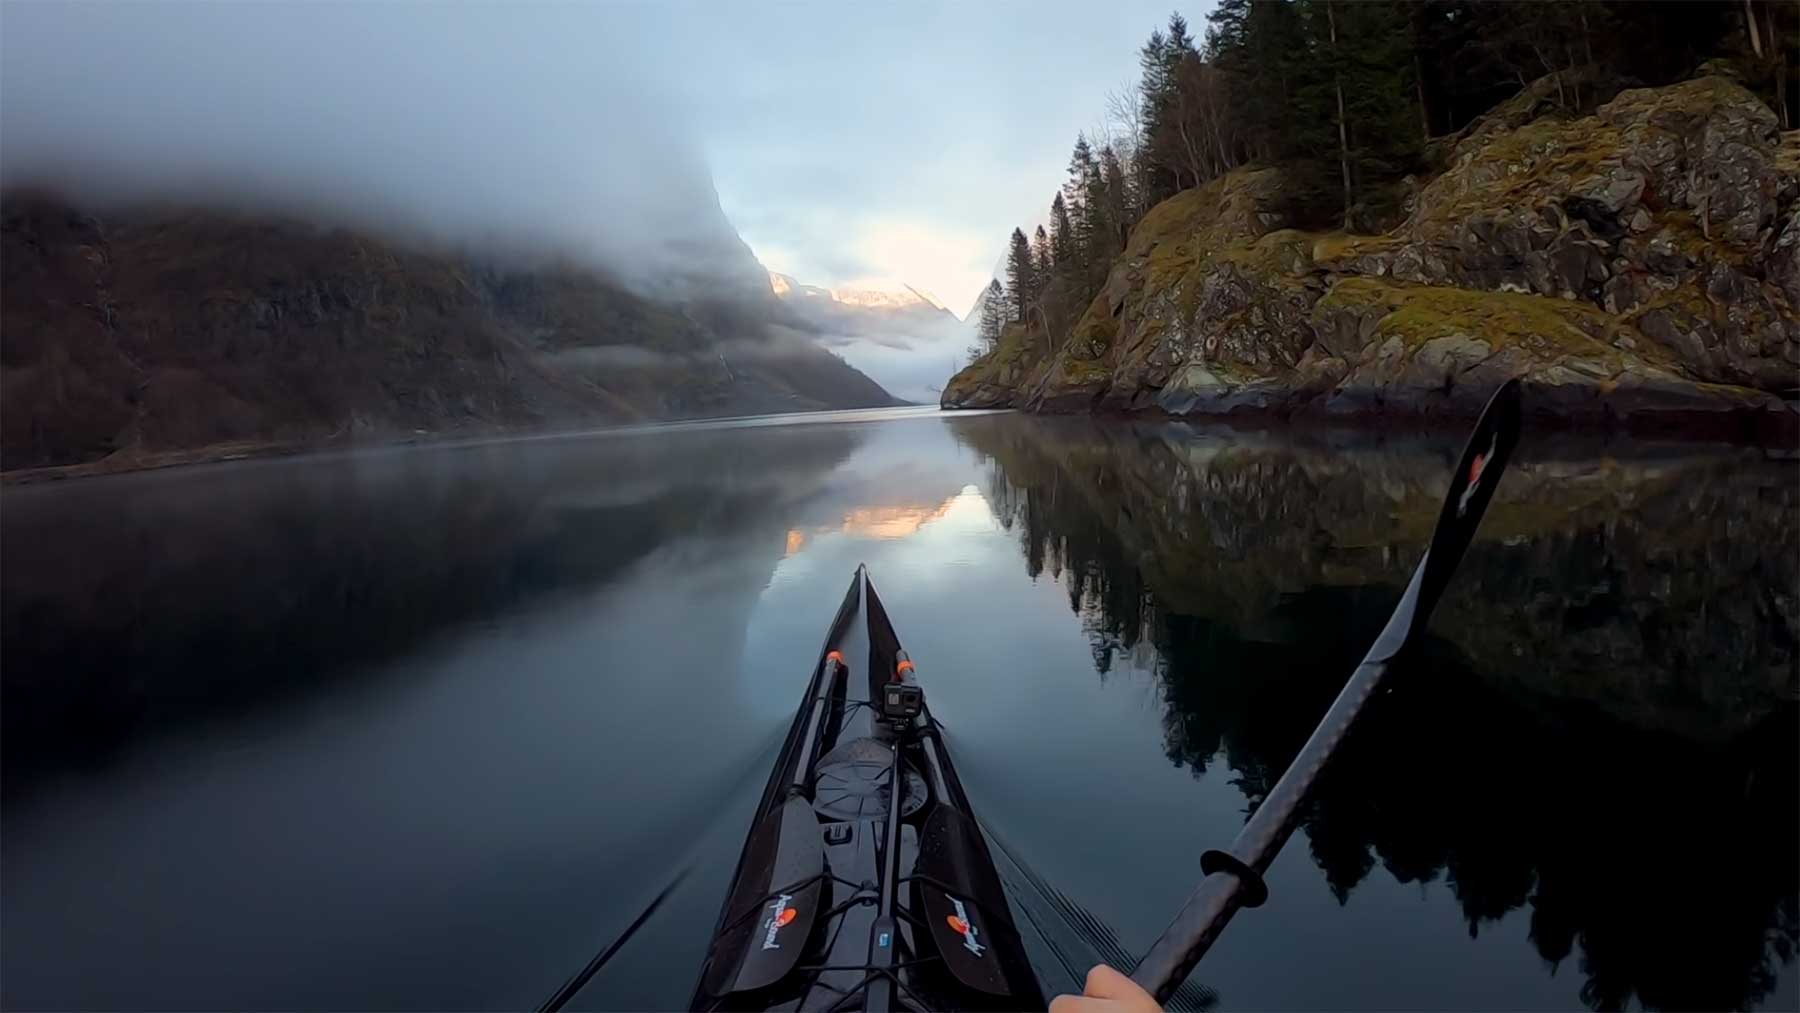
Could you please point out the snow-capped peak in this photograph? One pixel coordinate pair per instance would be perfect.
(874, 298)
(900, 298)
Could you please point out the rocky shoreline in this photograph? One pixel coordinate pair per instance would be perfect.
(1638, 268)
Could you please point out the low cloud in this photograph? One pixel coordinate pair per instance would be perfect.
(501, 128)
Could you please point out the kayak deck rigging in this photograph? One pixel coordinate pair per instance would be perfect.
(850, 894)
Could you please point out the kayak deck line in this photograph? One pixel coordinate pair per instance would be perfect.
(865, 882)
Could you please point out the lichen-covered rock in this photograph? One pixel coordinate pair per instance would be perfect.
(1425, 350)
(1551, 96)
(1211, 272)
(1659, 205)
(995, 379)
(1784, 258)
(1705, 145)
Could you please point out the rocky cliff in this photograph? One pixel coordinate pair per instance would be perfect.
(1640, 266)
(137, 338)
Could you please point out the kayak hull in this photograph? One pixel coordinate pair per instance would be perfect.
(836, 904)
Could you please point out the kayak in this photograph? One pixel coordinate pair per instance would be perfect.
(866, 882)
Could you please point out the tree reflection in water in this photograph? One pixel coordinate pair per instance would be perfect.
(1601, 729)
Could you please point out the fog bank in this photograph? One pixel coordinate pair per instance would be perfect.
(505, 129)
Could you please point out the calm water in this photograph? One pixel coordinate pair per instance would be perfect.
(425, 728)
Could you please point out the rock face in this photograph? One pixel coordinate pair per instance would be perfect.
(127, 338)
(1638, 266)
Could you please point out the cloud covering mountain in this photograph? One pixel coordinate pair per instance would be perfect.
(471, 126)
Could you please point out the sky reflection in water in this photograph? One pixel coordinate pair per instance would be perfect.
(424, 728)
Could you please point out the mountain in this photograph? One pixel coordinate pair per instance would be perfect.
(855, 310)
(1639, 267)
(157, 333)
(903, 337)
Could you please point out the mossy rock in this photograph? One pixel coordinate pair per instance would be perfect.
(1548, 328)
(1337, 248)
(1286, 252)
(1093, 337)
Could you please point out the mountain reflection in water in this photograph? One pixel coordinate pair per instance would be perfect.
(423, 728)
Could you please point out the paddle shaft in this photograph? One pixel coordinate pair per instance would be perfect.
(1223, 892)
(1233, 878)
(580, 980)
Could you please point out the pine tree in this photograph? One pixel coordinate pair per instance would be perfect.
(1021, 275)
(1261, 46)
(1166, 142)
(1355, 106)
(1084, 183)
(1062, 235)
(1118, 196)
(993, 315)
(1101, 224)
(1178, 38)
(1042, 257)
(1154, 92)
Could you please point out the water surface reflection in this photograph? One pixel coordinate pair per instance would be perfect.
(423, 728)
(1607, 697)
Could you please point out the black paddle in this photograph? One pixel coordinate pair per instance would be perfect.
(1234, 878)
(580, 980)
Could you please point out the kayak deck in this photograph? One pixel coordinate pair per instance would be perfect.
(843, 900)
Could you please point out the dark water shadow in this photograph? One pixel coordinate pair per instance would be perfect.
(1601, 730)
(145, 603)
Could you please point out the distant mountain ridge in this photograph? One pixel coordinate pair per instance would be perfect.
(901, 334)
(128, 336)
(855, 303)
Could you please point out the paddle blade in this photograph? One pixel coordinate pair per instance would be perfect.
(1472, 485)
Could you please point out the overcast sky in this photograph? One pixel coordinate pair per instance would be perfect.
(852, 145)
(900, 143)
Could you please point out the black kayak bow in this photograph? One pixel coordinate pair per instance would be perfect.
(1233, 879)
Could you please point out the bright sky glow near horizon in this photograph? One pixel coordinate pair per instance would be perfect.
(874, 145)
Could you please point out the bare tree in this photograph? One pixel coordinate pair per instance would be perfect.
(1125, 115)
(1337, 79)
(1781, 74)
(1202, 121)
(1124, 121)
